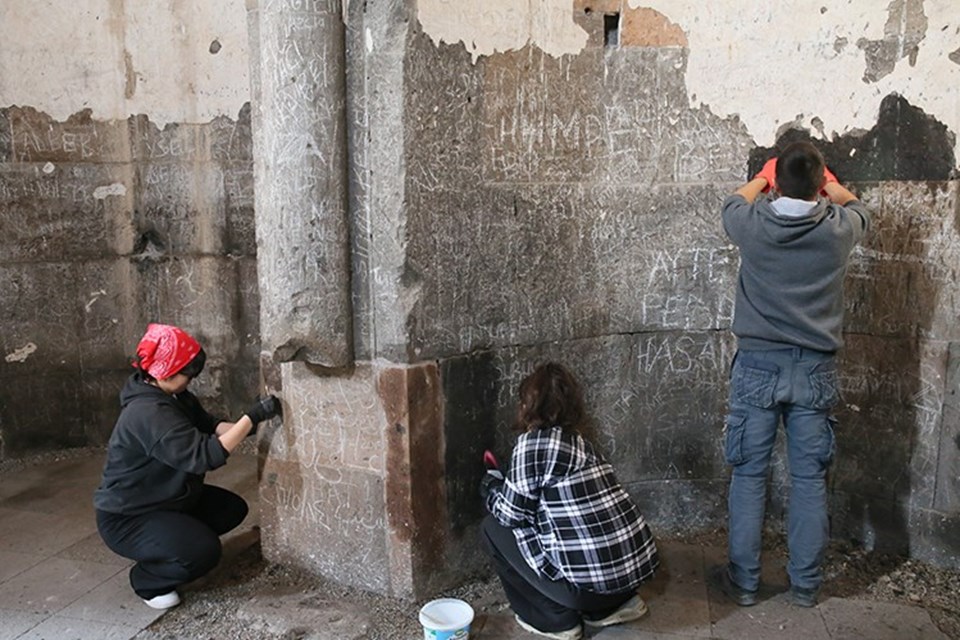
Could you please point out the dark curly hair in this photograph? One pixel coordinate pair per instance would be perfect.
(550, 397)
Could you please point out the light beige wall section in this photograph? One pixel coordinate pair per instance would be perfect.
(805, 62)
(122, 57)
(486, 27)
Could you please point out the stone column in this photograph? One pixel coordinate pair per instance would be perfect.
(352, 486)
(300, 173)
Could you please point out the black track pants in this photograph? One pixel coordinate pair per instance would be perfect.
(548, 605)
(172, 547)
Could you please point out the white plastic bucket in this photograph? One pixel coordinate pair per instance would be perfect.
(446, 619)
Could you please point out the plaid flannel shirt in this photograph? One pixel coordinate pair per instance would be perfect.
(571, 517)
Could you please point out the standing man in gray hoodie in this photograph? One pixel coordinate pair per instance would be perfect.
(788, 319)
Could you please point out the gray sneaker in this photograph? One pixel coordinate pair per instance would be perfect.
(720, 577)
(570, 634)
(632, 609)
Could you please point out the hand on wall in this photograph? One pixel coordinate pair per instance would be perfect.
(828, 177)
(768, 173)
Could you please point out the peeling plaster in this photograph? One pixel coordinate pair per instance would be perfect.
(906, 27)
(811, 73)
(119, 57)
(759, 67)
(643, 27)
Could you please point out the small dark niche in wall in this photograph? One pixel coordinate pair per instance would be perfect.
(149, 244)
(611, 29)
(215, 47)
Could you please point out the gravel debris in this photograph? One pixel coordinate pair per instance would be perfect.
(210, 608)
(852, 571)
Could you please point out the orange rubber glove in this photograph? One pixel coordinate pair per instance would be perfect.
(827, 177)
(768, 173)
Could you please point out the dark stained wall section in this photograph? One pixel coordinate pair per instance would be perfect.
(568, 208)
(105, 226)
(544, 209)
(471, 390)
(905, 144)
(889, 483)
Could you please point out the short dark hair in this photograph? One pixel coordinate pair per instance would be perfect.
(550, 397)
(800, 171)
(193, 368)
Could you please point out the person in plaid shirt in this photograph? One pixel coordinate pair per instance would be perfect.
(568, 544)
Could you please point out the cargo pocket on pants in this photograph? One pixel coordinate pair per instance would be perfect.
(830, 443)
(733, 429)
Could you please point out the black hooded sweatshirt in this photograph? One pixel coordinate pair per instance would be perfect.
(158, 453)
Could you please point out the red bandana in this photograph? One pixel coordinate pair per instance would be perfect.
(165, 349)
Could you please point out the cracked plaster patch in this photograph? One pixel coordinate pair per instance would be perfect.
(906, 27)
(21, 354)
(116, 189)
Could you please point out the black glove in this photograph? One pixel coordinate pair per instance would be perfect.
(264, 409)
(491, 483)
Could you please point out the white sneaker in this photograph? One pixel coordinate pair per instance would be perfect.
(632, 609)
(570, 634)
(165, 601)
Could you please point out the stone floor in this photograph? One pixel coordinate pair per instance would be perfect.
(683, 606)
(58, 581)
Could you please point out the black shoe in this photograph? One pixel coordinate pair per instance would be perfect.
(720, 576)
(803, 597)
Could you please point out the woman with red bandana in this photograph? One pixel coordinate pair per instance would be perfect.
(152, 505)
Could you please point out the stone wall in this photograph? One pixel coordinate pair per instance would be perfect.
(109, 221)
(532, 181)
(104, 227)
(567, 208)
(459, 191)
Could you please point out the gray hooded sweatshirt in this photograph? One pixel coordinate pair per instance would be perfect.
(790, 287)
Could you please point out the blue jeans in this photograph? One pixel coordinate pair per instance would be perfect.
(800, 386)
